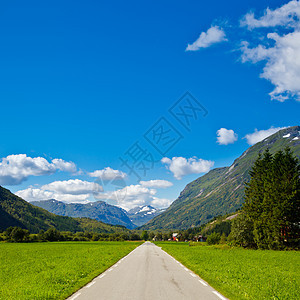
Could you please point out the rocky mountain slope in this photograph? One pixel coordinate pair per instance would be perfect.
(220, 191)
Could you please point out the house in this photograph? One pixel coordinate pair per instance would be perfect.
(175, 236)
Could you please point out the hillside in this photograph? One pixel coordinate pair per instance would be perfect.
(100, 211)
(220, 191)
(143, 214)
(14, 211)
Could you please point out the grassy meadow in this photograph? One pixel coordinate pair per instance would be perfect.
(54, 270)
(240, 273)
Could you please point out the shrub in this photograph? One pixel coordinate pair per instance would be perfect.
(213, 239)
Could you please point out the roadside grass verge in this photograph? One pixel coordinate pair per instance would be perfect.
(241, 273)
(54, 270)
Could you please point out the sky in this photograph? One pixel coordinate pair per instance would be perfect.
(127, 102)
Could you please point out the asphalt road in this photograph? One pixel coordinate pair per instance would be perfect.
(147, 273)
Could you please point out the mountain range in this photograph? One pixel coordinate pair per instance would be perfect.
(14, 211)
(98, 210)
(220, 191)
(101, 211)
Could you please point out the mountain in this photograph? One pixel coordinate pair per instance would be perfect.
(14, 211)
(142, 214)
(220, 191)
(99, 210)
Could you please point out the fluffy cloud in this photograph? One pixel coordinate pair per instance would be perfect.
(180, 166)
(134, 195)
(72, 187)
(108, 174)
(282, 67)
(286, 15)
(35, 194)
(15, 169)
(283, 64)
(79, 191)
(67, 191)
(259, 135)
(62, 165)
(156, 183)
(160, 202)
(226, 136)
(212, 36)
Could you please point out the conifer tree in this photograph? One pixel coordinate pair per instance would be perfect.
(272, 200)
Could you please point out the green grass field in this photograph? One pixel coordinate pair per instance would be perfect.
(240, 273)
(54, 270)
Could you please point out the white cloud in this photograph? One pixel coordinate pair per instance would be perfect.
(180, 166)
(72, 187)
(65, 166)
(67, 191)
(212, 36)
(161, 202)
(134, 195)
(282, 67)
(226, 136)
(108, 174)
(79, 191)
(259, 135)
(34, 194)
(15, 169)
(286, 15)
(156, 183)
(283, 64)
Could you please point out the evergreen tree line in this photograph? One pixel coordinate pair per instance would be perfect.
(270, 217)
(19, 235)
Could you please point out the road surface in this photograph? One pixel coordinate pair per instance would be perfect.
(147, 273)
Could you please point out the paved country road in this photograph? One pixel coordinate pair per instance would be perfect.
(147, 273)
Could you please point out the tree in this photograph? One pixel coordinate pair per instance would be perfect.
(19, 235)
(159, 236)
(165, 236)
(283, 201)
(52, 234)
(223, 239)
(272, 201)
(242, 231)
(213, 239)
(41, 235)
(145, 235)
(134, 237)
(151, 235)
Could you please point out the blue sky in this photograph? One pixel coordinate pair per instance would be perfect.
(83, 81)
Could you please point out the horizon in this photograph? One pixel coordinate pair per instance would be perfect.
(86, 86)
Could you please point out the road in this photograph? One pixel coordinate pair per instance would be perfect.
(147, 273)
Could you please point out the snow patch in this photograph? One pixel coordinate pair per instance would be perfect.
(287, 135)
(145, 208)
(295, 138)
(151, 212)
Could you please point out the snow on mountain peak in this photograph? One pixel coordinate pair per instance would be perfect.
(145, 208)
